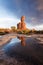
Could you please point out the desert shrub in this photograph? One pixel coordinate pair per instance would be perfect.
(2, 33)
(19, 31)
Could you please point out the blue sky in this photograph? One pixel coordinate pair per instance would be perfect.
(12, 10)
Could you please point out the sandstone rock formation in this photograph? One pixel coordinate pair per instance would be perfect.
(21, 25)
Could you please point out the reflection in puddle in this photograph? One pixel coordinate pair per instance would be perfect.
(27, 49)
(23, 43)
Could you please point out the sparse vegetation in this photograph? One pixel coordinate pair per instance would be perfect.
(13, 29)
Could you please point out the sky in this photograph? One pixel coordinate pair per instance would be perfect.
(12, 10)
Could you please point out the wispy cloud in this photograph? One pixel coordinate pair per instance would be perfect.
(8, 22)
(40, 5)
(7, 19)
(32, 9)
(39, 27)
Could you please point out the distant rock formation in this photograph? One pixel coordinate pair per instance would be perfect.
(21, 25)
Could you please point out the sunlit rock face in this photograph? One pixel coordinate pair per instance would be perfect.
(21, 25)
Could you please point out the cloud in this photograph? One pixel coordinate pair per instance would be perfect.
(40, 5)
(40, 9)
(39, 27)
(32, 9)
(33, 21)
(8, 22)
(7, 19)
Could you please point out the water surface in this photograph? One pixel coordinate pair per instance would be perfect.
(26, 51)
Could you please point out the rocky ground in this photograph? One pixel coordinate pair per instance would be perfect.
(5, 60)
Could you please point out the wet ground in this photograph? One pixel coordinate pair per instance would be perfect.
(22, 51)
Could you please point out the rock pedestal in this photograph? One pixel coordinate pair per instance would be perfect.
(21, 25)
